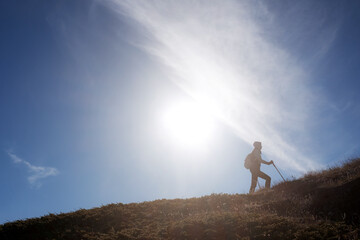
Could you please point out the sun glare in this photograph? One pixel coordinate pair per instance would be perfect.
(188, 124)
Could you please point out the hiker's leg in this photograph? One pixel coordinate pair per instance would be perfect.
(254, 177)
(266, 177)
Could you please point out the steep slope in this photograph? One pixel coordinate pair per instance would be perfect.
(323, 205)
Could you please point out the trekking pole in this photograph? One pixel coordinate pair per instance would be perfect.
(259, 184)
(279, 172)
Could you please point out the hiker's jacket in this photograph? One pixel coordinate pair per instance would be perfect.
(256, 160)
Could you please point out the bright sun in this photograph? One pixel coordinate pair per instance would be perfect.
(188, 124)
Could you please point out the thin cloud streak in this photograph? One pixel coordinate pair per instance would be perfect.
(37, 172)
(219, 54)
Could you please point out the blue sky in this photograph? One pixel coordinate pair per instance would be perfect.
(131, 101)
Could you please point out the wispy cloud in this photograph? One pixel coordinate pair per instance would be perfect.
(36, 172)
(220, 54)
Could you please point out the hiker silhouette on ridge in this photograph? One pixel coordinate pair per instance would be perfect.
(253, 162)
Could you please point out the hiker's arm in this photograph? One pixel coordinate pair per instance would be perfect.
(265, 162)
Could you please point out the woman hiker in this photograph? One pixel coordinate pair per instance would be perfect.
(253, 162)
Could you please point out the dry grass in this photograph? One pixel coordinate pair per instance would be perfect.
(322, 205)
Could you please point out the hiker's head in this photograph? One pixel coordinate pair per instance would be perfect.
(257, 145)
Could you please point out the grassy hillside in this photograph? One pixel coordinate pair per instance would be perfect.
(322, 205)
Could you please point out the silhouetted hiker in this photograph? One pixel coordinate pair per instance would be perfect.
(253, 162)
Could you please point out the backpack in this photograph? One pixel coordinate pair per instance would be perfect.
(248, 161)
